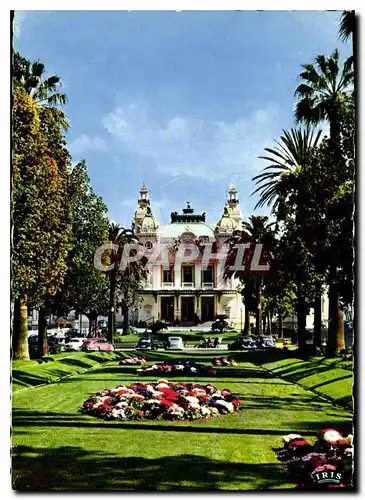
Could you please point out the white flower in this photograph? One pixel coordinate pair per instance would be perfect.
(331, 436)
(192, 400)
(176, 410)
(225, 404)
(157, 393)
(96, 405)
(122, 404)
(204, 410)
(289, 437)
(153, 401)
(162, 385)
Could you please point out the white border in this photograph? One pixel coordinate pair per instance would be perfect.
(5, 174)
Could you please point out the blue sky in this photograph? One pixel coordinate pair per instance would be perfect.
(184, 101)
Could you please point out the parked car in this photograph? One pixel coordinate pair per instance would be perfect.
(245, 342)
(144, 344)
(72, 332)
(54, 340)
(75, 344)
(265, 341)
(96, 344)
(175, 343)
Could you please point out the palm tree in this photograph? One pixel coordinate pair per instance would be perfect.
(324, 95)
(45, 91)
(258, 230)
(119, 236)
(347, 27)
(281, 178)
(281, 181)
(247, 294)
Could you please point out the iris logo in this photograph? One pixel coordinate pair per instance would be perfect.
(328, 476)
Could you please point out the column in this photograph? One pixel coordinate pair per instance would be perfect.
(177, 307)
(156, 277)
(198, 275)
(197, 306)
(177, 277)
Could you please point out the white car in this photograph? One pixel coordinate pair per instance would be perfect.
(175, 343)
(75, 344)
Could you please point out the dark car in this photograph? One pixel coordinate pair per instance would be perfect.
(265, 342)
(144, 344)
(243, 343)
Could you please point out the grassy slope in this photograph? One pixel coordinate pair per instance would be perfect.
(331, 377)
(57, 448)
(35, 372)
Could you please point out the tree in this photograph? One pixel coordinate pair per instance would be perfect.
(248, 298)
(285, 183)
(56, 148)
(119, 236)
(40, 233)
(45, 91)
(85, 288)
(129, 281)
(281, 178)
(325, 95)
(257, 231)
(347, 28)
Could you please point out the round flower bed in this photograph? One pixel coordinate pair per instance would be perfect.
(162, 400)
(325, 464)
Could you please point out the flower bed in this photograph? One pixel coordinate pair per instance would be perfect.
(162, 400)
(177, 368)
(224, 362)
(132, 360)
(325, 464)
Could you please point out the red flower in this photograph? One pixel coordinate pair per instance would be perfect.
(166, 402)
(172, 396)
(297, 442)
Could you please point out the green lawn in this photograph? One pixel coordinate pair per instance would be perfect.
(57, 448)
(331, 377)
(27, 374)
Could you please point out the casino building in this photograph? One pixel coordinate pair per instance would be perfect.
(186, 294)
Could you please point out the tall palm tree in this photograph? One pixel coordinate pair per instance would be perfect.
(45, 91)
(258, 229)
(347, 27)
(281, 178)
(281, 181)
(119, 236)
(326, 91)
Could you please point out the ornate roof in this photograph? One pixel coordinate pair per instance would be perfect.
(226, 224)
(188, 215)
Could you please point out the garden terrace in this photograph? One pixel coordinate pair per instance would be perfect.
(56, 448)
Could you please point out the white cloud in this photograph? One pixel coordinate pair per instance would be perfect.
(211, 150)
(86, 143)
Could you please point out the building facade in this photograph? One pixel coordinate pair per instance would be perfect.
(185, 293)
